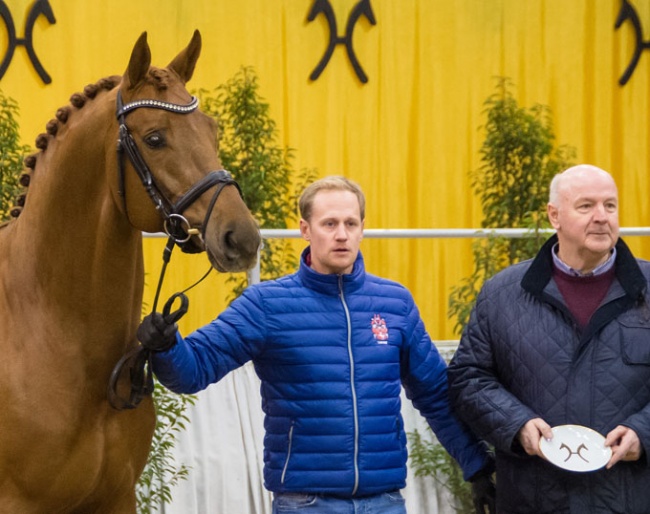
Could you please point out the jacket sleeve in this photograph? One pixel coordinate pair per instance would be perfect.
(209, 353)
(424, 377)
(477, 395)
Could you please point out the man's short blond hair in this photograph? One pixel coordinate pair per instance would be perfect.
(331, 183)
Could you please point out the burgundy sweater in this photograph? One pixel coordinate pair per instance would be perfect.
(583, 294)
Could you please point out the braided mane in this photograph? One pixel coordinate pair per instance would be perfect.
(158, 77)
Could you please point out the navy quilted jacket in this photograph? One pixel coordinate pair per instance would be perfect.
(331, 352)
(522, 356)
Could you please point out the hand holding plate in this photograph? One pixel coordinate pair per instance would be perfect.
(530, 434)
(625, 445)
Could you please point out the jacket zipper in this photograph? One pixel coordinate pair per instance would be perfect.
(354, 392)
(286, 462)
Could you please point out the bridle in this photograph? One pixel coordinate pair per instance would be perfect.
(175, 224)
(177, 228)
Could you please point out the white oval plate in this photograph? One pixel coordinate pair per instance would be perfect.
(576, 448)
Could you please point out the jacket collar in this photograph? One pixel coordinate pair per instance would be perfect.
(329, 283)
(627, 269)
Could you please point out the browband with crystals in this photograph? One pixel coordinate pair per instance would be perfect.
(157, 104)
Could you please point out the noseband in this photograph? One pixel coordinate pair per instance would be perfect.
(176, 226)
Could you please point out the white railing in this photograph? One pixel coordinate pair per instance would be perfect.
(446, 347)
(427, 233)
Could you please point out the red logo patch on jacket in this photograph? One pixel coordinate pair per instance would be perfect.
(379, 329)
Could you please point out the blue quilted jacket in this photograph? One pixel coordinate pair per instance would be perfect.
(522, 356)
(332, 352)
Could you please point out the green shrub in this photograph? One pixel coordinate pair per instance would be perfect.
(248, 148)
(161, 473)
(518, 161)
(12, 154)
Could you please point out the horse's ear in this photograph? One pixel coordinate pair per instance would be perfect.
(183, 64)
(139, 63)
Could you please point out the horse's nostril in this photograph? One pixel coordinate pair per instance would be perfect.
(240, 244)
(229, 239)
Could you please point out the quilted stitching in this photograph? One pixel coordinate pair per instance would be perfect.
(528, 342)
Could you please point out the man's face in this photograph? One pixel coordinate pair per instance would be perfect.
(586, 219)
(334, 231)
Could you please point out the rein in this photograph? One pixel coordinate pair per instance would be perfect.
(178, 230)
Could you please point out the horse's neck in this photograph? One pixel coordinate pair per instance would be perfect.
(71, 238)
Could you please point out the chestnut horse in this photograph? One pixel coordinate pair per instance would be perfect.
(71, 278)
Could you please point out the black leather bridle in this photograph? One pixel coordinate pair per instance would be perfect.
(177, 228)
(175, 224)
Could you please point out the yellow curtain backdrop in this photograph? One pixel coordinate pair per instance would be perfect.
(409, 136)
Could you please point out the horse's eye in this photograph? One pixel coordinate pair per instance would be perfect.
(154, 140)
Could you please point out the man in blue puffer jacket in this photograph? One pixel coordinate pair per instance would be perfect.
(562, 339)
(332, 346)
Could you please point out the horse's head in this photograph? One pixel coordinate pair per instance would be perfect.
(170, 174)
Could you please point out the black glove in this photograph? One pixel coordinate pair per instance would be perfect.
(156, 333)
(483, 493)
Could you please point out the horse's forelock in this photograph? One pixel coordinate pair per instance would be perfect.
(160, 78)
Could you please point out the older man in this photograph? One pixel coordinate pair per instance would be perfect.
(564, 338)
